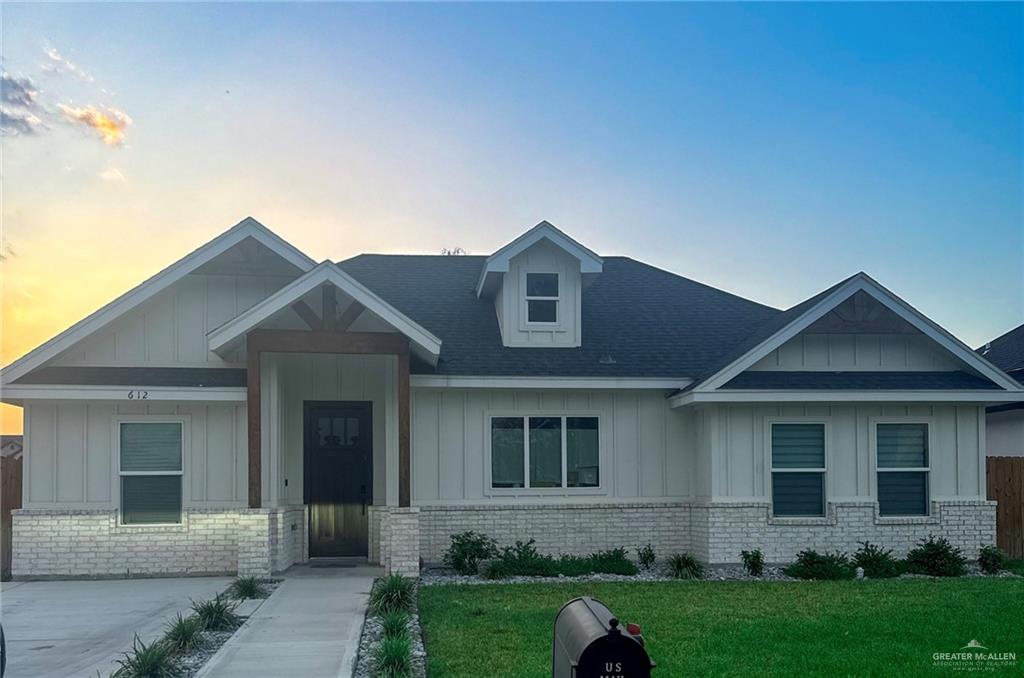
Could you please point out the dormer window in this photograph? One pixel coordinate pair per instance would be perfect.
(542, 297)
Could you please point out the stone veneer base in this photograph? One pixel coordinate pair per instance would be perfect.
(55, 544)
(62, 544)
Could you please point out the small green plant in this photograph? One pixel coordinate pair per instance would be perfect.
(876, 562)
(247, 587)
(395, 623)
(217, 614)
(753, 562)
(813, 565)
(936, 557)
(612, 561)
(645, 556)
(522, 560)
(147, 661)
(466, 551)
(183, 633)
(392, 658)
(991, 559)
(394, 592)
(684, 566)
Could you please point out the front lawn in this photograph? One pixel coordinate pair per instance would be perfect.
(843, 628)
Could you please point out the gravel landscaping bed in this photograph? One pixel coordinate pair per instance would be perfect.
(371, 636)
(434, 577)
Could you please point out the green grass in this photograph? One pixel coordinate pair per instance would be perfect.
(836, 628)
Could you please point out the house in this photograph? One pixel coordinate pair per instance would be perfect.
(10, 446)
(248, 408)
(1004, 430)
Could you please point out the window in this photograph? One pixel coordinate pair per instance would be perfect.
(902, 466)
(551, 452)
(542, 297)
(798, 469)
(150, 470)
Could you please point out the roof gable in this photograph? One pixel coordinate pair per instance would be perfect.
(498, 263)
(795, 320)
(245, 229)
(1006, 351)
(232, 332)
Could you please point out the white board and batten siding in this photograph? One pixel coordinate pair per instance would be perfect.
(643, 444)
(170, 329)
(858, 352)
(737, 440)
(510, 301)
(73, 464)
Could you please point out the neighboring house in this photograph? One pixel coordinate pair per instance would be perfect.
(1005, 422)
(248, 408)
(10, 446)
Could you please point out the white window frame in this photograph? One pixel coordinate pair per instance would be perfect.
(927, 469)
(184, 421)
(602, 472)
(827, 432)
(527, 299)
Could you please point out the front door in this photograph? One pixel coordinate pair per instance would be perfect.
(339, 474)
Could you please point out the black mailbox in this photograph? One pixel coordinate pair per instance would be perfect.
(589, 643)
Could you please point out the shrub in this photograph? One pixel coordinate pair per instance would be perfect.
(394, 592)
(521, 560)
(247, 587)
(217, 614)
(877, 562)
(753, 562)
(147, 661)
(645, 556)
(392, 658)
(991, 559)
(184, 633)
(614, 561)
(936, 557)
(395, 623)
(467, 550)
(684, 566)
(813, 565)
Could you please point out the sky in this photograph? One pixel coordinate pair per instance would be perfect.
(766, 149)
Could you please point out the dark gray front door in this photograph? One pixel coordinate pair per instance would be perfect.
(339, 476)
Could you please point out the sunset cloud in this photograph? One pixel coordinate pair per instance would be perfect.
(110, 123)
(15, 123)
(18, 91)
(60, 65)
(113, 175)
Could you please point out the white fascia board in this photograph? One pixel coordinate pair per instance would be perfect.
(20, 392)
(861, 282)
(442, 381)
(745, 396)
(247, 228)
(499, 261)
(325, 273)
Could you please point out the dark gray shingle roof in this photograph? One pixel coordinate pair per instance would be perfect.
(1007, 353)
(137, 376)
(882, 381)
(651, 322)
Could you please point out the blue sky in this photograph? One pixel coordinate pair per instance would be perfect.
(770, 150)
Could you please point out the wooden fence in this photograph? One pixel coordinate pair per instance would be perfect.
(10, 498)
(1006, 485)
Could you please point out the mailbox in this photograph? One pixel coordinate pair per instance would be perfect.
(590, 643)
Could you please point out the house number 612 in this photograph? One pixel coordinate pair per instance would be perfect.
(138, 395)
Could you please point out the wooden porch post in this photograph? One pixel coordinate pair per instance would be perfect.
(404, 460)
(253, 411)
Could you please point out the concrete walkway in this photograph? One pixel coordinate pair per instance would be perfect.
(76, 628)
(309, 627)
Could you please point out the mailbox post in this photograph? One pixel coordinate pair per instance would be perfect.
(590, 643)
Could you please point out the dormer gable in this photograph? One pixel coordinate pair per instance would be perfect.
(537, 282)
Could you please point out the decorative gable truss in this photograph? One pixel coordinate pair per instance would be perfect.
(953, 372)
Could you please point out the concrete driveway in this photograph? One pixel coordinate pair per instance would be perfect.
(76, 628)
